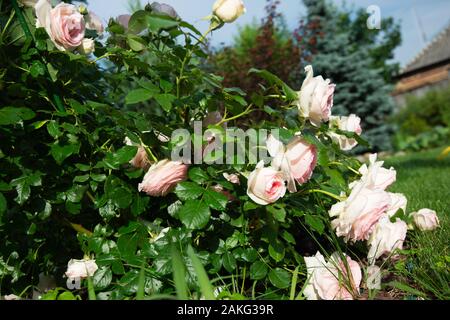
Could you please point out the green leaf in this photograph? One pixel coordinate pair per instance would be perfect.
(406, 288)
(276, 250)
(13, 115)
(67, 295)
(194, 214)
(23, 184)
(37, 69)
(121, 156)
(188, 191)
(258, 270)
(158, 22)
(274, 80)
(198, 175)
(139, 205)
(278, 213)
(76, 193)
(53, 72)
(165, 100)
(108, 211)
(250, 206)
(215, 200)
(81, 179)
(121, 197)
(229, 262)
(315, 222)
(136, 43)
(138, 95)
(3, 205)
(102, 278)
(127, 244)
(279, 278)
(62, 152)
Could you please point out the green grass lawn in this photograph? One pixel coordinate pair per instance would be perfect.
(425, 181)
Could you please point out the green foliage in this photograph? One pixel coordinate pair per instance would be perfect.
(424, 122)
(67, 188)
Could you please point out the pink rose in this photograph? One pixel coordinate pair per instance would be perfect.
(265, 185)
(351, 123)
(330, 280)
(386, 238)
(64, 24)
(123, 20)
(315, 98)
(375, 176)
(163, 177)
(140, 160)
(297, 160)
(233, 178)
(425, 219)
(357, 216)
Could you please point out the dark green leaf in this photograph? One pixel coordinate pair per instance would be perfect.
(13, 115)
(276, 250)
(138, 95)
(198, 175)
(215, 200)
(258, 270)
(279, 278)
(102, 278)
(229, 262)
(194, 214)
(188, 191)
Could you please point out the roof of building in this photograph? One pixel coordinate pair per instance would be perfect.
(436, 51)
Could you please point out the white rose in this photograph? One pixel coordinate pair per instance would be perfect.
(228, 10)
(375, 176)
(425, 219)
(351, 123)
(315, 98)
(265, 185)
(233, 178)
(81, 268)
(87, 46)
(398, 201)
(386, 238)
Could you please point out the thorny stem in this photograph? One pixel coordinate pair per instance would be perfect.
(245, 112)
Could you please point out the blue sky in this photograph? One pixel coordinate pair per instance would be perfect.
(432, 15)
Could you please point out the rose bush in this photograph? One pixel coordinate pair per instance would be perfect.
(87, 169)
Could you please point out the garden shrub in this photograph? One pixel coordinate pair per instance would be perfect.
(89, 189)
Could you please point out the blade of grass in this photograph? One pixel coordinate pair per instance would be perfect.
(179, 275)
(203, 281)
(294, 284)
(141, 283)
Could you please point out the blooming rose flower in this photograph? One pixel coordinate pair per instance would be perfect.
(265, 185)
(375, 176)
(233, 178)
(87, 46)
(64, 24)
(297, 160)
(330, 280)
(425, 219)
(81, 268)
(93, 22)
(386, 238)
(228, 10)
(163, 177)
(357, 216)
(398, 201)
(140, 160)
(315, 98)
(124, 20)
(351, 123)
(164, 9)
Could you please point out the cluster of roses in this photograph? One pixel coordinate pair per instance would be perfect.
(365, 215)
(66, 24)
